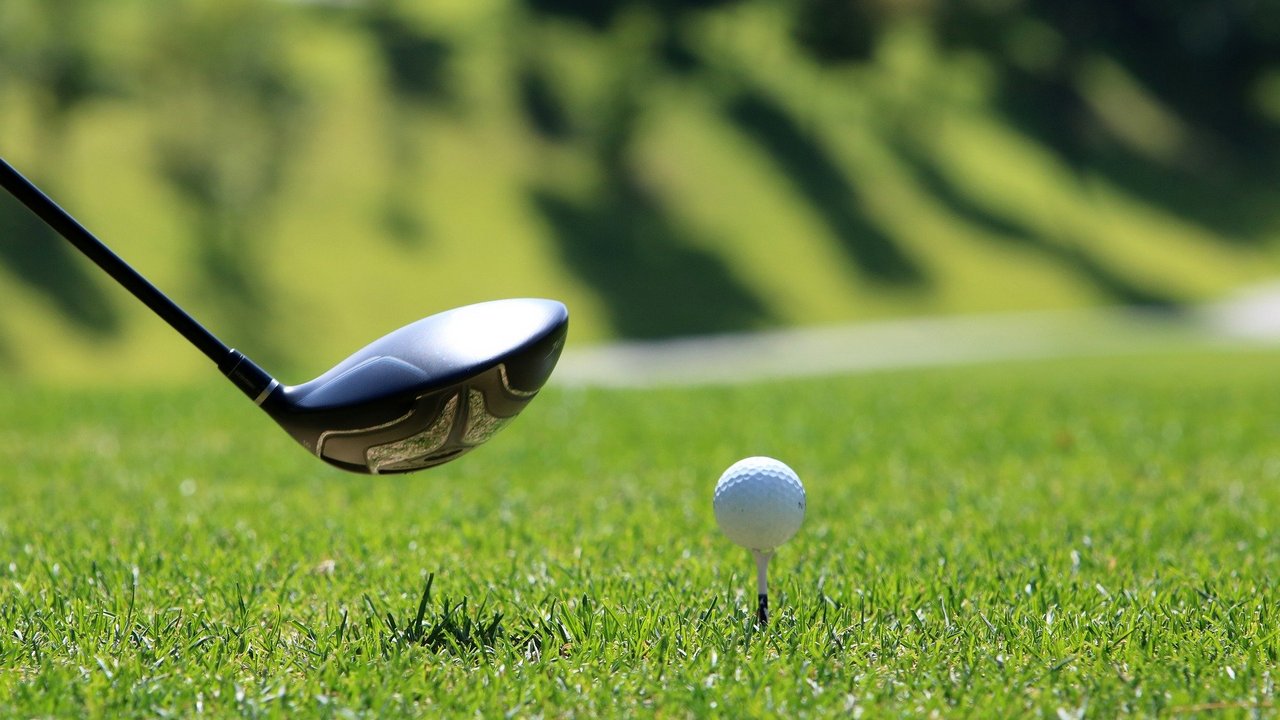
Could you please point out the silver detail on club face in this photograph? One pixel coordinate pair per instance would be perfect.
(481, 424)
(263, 395)
(415, 446)
(324, 436)
(506, 384)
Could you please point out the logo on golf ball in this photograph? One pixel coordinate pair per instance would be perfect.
(759, 503)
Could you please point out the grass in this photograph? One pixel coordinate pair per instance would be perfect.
(999, 222)
(1062, 539)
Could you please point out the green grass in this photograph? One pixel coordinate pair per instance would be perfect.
(1049, 538)
(334, 278)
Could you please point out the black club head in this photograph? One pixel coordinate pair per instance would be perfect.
(428, 392)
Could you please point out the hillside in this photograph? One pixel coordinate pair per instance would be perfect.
(336, 173)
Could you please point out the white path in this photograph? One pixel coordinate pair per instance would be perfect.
(1248, 319)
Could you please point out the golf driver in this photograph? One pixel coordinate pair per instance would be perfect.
(418, 397)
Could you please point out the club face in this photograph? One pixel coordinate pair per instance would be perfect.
(428, 392)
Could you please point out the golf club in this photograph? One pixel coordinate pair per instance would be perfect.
(418, 397)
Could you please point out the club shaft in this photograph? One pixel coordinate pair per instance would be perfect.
(84, 241)
(252, 380)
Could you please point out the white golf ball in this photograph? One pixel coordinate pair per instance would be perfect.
(759, 503)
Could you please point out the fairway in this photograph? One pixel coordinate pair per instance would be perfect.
(1051, 538)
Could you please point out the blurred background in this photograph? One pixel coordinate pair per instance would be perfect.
(306, 176)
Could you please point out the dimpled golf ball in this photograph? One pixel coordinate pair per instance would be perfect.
(759, 503)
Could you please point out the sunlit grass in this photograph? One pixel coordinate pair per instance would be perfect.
(1027, 539)
(336, 277)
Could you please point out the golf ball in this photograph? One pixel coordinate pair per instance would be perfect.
(759, 503)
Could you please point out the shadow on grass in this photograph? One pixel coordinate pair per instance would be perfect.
(818, 176)
(417, 68)
(645, 267)
(541, 104)
(1209, 186)
(1110, 282)
(44, 261)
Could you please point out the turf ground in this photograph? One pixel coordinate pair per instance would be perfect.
(1063, 539)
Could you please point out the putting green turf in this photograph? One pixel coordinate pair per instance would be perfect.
(1052, 538)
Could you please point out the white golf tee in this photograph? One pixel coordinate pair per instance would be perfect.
(762, 585)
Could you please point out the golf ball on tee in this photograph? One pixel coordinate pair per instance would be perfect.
(759, 503)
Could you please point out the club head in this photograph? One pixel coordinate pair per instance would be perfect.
(428, 392)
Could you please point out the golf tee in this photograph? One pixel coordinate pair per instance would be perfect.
(762, 585)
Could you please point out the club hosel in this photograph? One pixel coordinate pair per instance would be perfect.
(245, 374)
